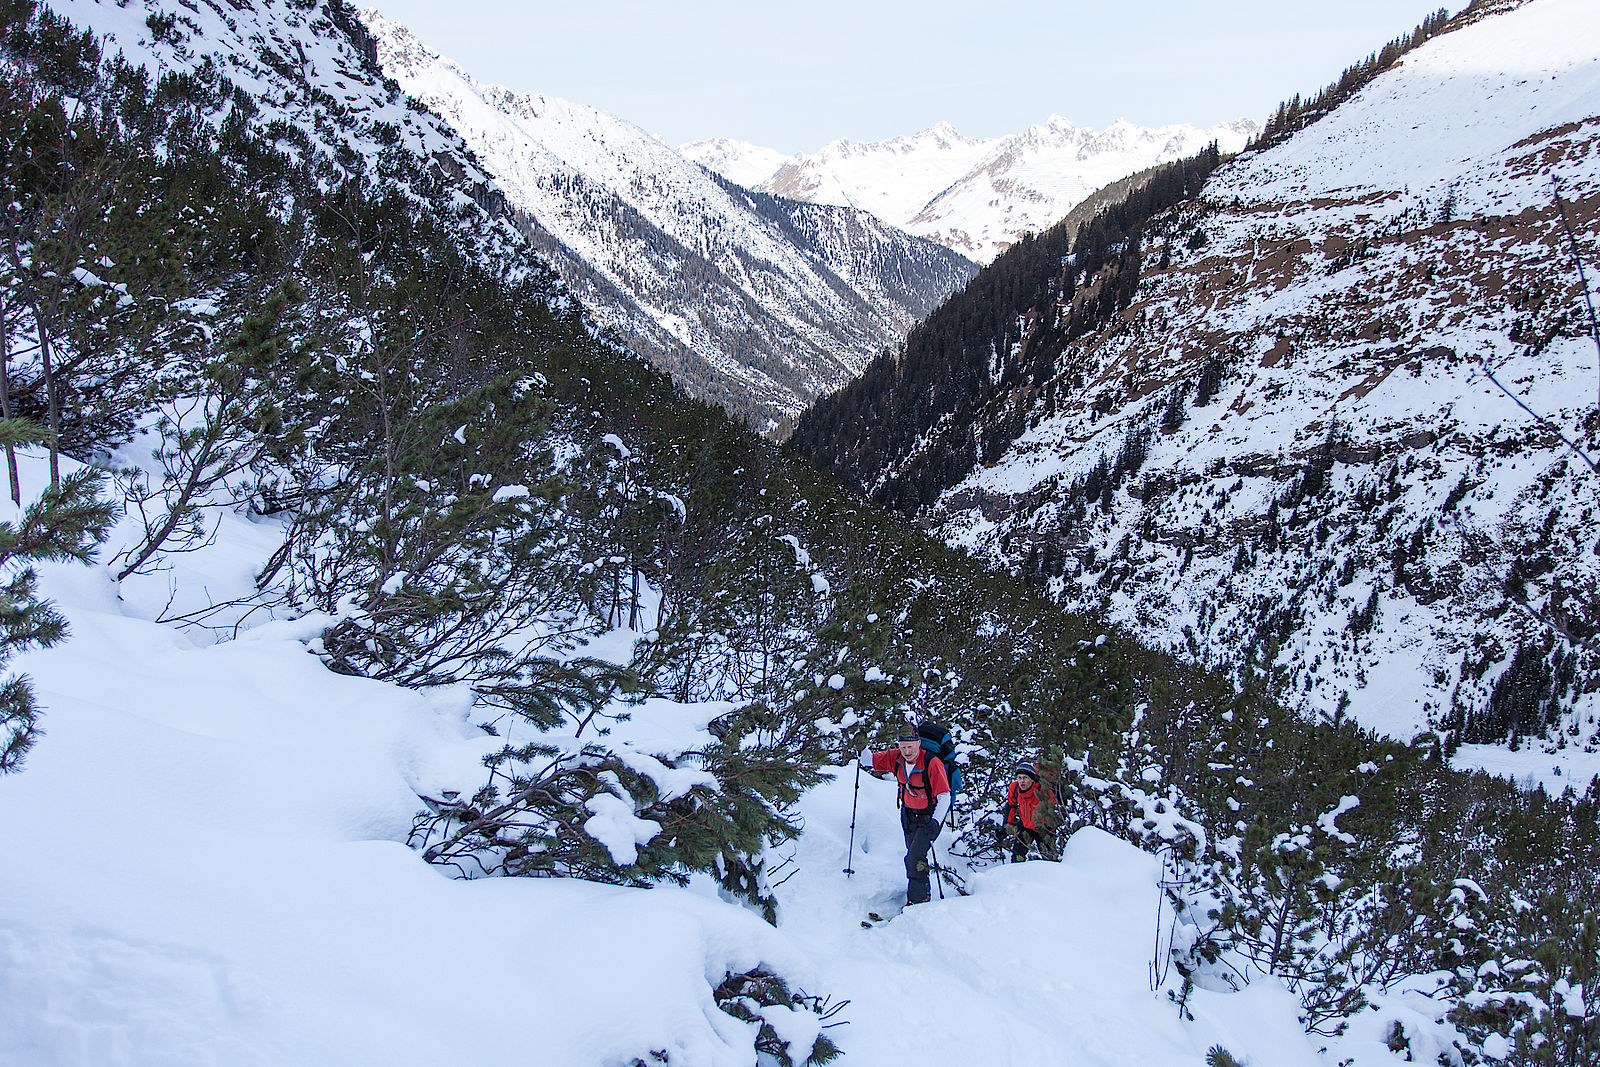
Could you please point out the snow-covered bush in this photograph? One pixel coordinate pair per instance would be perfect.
(790, 1024)
(632, 792)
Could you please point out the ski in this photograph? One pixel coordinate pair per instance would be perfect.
(874, 919)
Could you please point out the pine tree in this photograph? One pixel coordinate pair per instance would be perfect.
(1172, 416)
(1210, 380)
(66, 522)
(215, 425)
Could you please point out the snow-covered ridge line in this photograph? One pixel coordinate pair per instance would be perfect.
(755, 305)
(974, 195)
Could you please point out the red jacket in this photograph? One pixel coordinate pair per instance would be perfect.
(1023, 805)
(925, 785)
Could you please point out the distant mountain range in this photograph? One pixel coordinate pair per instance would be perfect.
(750, 300)
(976, 196)
(1285, 451)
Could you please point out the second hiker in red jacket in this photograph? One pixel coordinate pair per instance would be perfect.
(1024, 820)
(924, 804)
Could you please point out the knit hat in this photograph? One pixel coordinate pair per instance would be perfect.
(1028, 769)
(908, 737)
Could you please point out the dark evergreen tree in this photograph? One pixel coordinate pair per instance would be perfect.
(67, 522)
(1172, 416)
(1210, 380)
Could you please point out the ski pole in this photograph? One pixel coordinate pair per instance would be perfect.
(938, 871)
(851, 855)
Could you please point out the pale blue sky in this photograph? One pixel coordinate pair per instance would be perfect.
(795, 76)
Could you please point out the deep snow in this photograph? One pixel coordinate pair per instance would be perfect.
(204, 865)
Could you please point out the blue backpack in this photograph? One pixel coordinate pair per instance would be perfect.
(939, 743)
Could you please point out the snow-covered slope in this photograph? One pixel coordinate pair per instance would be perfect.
(206, 864)
(1359, 512)
(976, 196)
(740, 162)
(740, 307)
(307, 67)
(894, 179)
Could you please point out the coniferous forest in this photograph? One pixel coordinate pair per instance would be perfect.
(964, 361)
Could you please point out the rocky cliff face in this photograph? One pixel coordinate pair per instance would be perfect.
(1329, 444)
(755, 305)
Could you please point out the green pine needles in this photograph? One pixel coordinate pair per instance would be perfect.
(65, 523)
(1217, 1056)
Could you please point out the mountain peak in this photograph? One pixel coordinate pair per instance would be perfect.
(942, 133)
(740, 162)
(978, 195)
(625, 218)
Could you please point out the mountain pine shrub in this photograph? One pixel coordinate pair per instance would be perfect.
(67, 522)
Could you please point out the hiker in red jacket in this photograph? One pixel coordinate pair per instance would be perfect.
(924, 803)
(1024, 821)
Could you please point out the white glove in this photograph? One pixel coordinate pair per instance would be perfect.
(866, 759)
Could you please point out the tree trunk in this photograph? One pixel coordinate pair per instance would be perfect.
(54, 403)
(5, 404)
(633, 603)
(1283, 922)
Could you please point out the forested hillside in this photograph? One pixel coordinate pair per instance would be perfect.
(900, 430)
(249, 285)
(750, 301)
(1323, 423)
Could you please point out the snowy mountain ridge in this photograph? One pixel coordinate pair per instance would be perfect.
(761, 306)
(740, 162)
(1287, 455)
(975, 195)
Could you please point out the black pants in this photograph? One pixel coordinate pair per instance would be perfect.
(920, 831)
(1021, 838)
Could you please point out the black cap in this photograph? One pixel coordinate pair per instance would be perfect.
(1027, 768)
